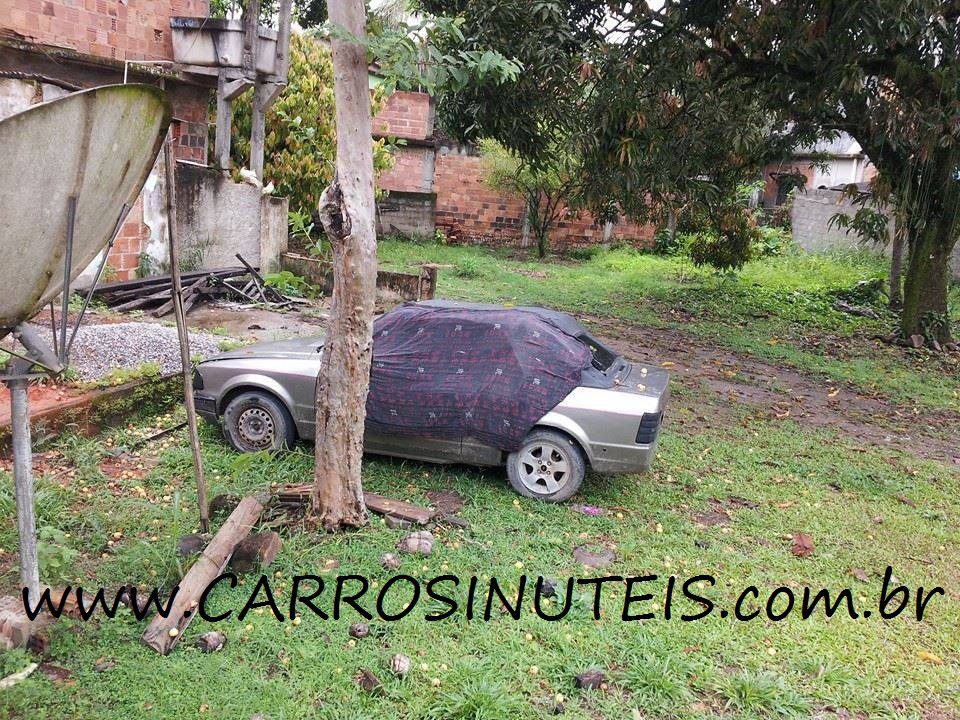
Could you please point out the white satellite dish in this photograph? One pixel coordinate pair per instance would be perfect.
(67, 170)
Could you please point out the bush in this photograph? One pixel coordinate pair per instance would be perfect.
(468, 267)
(772, 241)
(670, 243)
(731, 245)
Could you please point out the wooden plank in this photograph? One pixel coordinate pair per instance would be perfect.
(296, 494)
(168, 305)
(398, 508)
(163, 280)
(208, 566)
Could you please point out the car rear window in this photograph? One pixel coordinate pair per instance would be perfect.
(603, 357)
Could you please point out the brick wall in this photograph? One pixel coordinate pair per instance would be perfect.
(470, 212)
(770, 184)
(412, 172)
(406, 115)
(111, 30)
(118, 29)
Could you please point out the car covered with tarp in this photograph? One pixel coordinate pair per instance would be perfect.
(488, 385)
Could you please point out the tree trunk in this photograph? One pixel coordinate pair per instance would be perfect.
(896, 267)
(925, 288)
(348, 214)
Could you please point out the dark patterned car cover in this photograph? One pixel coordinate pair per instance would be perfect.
(446, 370)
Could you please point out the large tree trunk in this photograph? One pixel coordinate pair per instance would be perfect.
(933, 204)
(348, 215)
(896, 266)
(925, 288)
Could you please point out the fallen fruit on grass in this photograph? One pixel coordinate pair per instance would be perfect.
(400, 665)
(435, 682)
(929, 657)
(590, 679)
(359, 630)
(211, 641)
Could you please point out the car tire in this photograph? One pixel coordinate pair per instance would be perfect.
(255, 421)
(549, 466)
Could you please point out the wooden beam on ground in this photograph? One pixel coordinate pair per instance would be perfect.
(208, 566)
(300, 494)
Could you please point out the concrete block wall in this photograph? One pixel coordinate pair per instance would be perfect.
(810, 220)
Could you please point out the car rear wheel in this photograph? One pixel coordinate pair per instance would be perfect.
(548, 467)
(255, 421)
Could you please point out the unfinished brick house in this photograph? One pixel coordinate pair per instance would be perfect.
(437, 185)
(52, 47)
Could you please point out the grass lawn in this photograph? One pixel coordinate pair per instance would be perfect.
(778, 308)
(732, 486)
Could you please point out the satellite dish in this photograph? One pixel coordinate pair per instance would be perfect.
(68, 168)
(69, 171)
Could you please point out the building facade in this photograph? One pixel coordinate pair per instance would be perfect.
(52, 47)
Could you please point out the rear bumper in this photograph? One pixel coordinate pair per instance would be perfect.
(635, 457)
(623, 458)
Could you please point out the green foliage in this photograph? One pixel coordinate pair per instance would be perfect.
(54, 554)
(289, 284)
(763, 694)
(679, 104)
(731, 245)
(300, 139)
(547, 186)
(415, 54)
(469, 268)
(476, 696)
(772, 241)
(119, 376)
(863, 292)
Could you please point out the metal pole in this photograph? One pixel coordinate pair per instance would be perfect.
(124, 211)
(23, 486)
(176, 294)
(67, 266)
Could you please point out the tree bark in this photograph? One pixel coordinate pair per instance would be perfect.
(347, 212)
(933, 205)
(925, 289)
(896, 267)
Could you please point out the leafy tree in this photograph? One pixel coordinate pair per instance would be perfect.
(545, 187)
(681, 103)
(300, 137)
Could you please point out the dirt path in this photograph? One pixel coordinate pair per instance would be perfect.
(784, 393)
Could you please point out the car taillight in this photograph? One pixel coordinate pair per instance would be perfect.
(649, 427)
(197, 380)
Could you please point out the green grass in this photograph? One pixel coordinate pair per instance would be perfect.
(778, 308)
(864, 507)
(800, 481)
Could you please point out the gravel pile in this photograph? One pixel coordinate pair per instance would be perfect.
(99, 349)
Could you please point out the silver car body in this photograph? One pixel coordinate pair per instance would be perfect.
(616, 427)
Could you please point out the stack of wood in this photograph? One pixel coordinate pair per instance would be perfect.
(154, 294)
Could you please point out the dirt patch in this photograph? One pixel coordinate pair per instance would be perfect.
(781, 393)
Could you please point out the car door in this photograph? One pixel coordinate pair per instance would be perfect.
(436, 450)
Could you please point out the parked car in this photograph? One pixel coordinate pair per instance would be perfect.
(529, 388)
